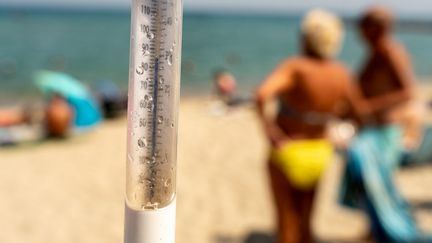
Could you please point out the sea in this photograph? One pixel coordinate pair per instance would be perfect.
(94, 46)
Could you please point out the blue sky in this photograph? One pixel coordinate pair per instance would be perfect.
(405, 7)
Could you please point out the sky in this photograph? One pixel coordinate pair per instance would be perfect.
(404, 7)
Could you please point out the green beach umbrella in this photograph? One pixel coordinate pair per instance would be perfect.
(50, 82)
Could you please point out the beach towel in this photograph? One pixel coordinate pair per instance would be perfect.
(368, 184)
(20, 134)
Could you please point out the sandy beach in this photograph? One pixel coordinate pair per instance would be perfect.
(72, 191)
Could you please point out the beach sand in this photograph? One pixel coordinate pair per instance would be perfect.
(72, 191)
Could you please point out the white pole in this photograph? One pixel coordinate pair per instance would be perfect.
(150, 226)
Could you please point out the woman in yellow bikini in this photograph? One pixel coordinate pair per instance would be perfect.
(311, 89)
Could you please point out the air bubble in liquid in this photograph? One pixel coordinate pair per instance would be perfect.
(169, 57)
(148, 97)
(167, 183)
(160, 119)
(150, 107)
(142, 179)
(170, 60)
(142, 142)
(149, 182)
(151, 35)
(151, 160)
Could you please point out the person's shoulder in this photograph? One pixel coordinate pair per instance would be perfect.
(294, 64)
(299, 63)
(396, 45)
(395, 49)
(293, 61)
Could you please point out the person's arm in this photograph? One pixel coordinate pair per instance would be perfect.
(401, 65)
(280, 80)
(357, 107)
(11, 118)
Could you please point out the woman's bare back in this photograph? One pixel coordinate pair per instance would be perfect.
(319, 87)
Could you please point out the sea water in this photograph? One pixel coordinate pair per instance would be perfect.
(94, 46)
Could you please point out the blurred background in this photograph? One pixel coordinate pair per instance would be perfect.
(71, 190)
(246, 39)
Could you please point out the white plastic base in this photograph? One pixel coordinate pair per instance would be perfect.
(150, 226)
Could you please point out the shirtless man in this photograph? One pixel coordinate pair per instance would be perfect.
(385, 84)
(386, 78)
(311, 88)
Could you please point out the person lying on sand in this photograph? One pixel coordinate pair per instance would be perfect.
(56, 121)
(70, 109)
(311, 88)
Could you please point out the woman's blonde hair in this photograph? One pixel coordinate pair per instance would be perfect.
(323, 32)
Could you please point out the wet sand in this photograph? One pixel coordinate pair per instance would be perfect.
(72, 191)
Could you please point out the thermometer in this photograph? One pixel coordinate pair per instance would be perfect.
(154, 91)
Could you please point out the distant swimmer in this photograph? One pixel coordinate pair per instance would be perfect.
(226, 88)
(225, 85)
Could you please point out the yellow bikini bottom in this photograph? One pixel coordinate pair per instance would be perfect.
(303, 161)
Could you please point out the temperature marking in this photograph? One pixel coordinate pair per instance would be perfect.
(154, 73)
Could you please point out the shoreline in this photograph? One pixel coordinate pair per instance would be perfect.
(186, 92)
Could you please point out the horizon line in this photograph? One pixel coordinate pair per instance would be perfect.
(294, 12)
